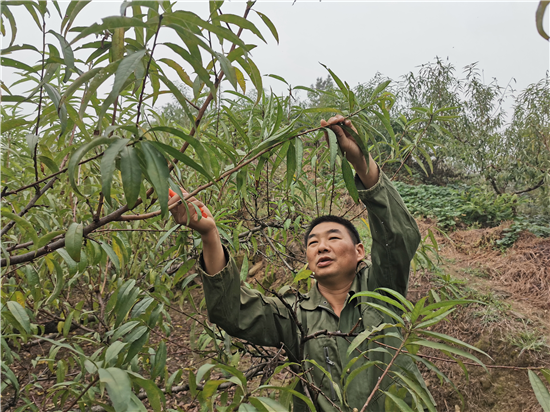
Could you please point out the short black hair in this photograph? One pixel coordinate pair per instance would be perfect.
(336, 219)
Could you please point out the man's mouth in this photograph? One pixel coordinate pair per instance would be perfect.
(324, 261)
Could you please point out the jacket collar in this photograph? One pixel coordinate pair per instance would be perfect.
(313, 299)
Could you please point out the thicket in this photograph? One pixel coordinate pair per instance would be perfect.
(87, 244)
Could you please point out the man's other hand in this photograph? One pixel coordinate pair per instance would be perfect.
(347, 143)
(352, 151)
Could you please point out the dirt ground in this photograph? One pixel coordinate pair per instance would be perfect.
(512, 325)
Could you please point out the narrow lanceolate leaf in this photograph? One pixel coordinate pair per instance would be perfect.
(124, 70)
(157, 170)
(61, 109)
(20, 315)
(6, 12)
(401, 404)
(68, 54)
(176, 154)
(290, 164)
(539, 17)
(112, 255)
(79, 154)
(333, 146)
(32, 140)
(108, 166)
(72, 11)
(23, 225)
(349, 180)
(269, 24)
(79, 82)
(73, 240)
(118, 386)
(160, 360)
(541, 392)
(241, 22)
(131, 174)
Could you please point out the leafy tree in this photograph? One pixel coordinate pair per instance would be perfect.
(86, 170)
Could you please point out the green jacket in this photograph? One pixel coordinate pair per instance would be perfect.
(249, 315)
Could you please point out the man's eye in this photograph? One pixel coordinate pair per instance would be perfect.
(333, 237)
(312, 243)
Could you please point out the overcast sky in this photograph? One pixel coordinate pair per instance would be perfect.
(358, 39)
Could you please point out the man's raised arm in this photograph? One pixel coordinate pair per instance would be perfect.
(214, 257)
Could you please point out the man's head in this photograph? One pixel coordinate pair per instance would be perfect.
(333, 248)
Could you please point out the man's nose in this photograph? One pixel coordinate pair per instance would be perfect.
(322, 246)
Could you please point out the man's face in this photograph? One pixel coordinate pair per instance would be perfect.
(331, 253)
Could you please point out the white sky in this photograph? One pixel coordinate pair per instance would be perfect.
(358, 39)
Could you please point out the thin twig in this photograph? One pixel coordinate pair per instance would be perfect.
(147, 71)
(92, 383)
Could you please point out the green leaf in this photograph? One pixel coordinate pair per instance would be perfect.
(108, 166)
(49, 163)
(124, 70)
(267, 404)
(73, 240)
(349, 180)
(378, 296)
(443, 347)
(118, 386)
(16, 64)
(61, 109)
(83, 78)
(154, 394)
(176, 154)
(359, 339)
(157, 170)
(539, 18)
(228, 69)
(79, 154)
(292, 392)
(451, 339)
(270, 25)
(112, 352)
(24, 226)
(13, 26)
(68, 54)
(112, 255)
(160, 360)
(333, 145)
(401, 404)
(241, 22)
(131, 174)
(541, 392)
(20, 314)
(32, 140)
(290, 164)
(72, 11)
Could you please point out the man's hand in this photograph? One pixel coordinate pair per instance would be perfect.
(204, 225)
(351, 150)
(214, 257)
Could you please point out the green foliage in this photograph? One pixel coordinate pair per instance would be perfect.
(537, 225)
(452, 205)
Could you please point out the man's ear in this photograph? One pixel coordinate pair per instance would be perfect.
(360, 249)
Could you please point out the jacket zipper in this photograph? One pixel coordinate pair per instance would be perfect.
(329, 364)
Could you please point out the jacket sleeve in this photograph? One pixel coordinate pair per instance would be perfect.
(395, 235)
(246, 313)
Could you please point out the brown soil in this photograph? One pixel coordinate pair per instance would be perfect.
(513, 328)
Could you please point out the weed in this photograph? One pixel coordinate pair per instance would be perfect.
(528, 340)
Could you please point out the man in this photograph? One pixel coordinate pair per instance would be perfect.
(335, 255)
